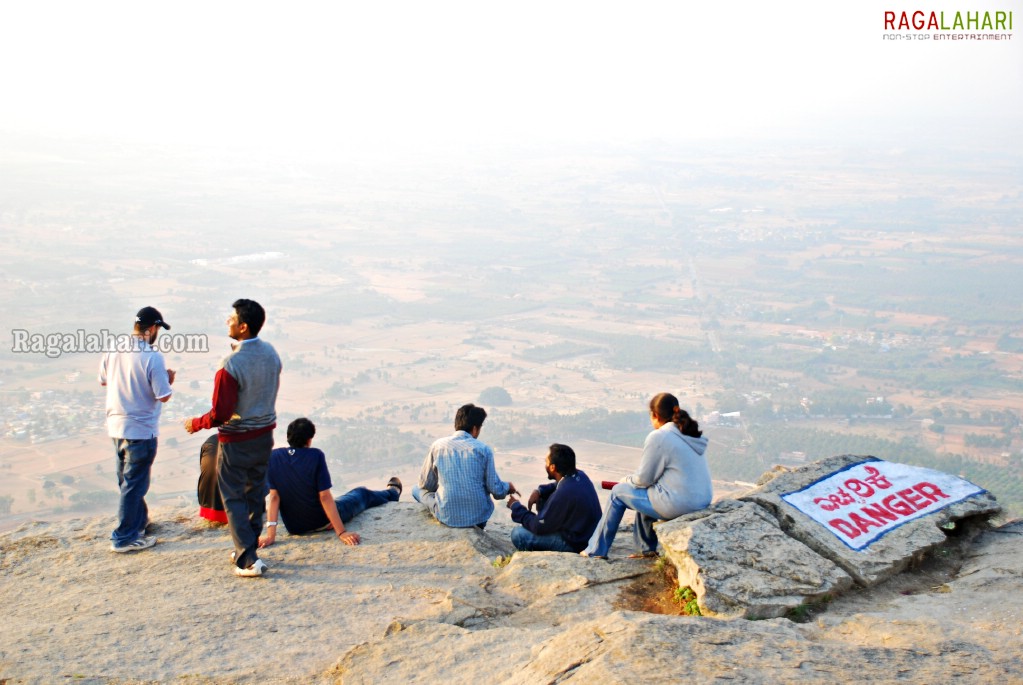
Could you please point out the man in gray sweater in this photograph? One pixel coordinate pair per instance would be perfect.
(244, 399)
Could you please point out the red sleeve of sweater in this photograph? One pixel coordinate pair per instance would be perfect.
(225, 399)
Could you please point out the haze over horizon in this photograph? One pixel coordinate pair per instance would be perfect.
(766, 208)
(394, 78)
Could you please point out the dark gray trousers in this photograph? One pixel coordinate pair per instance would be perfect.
(242, 484)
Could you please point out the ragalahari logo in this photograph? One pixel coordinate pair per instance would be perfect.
(942, 25)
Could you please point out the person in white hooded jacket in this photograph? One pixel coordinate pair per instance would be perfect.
(672, 479)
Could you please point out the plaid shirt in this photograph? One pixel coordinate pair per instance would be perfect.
(460, 469)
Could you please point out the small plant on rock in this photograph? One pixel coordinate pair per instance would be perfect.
(686, 598)
(807, 610)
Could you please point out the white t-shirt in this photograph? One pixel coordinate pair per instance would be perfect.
(136, 381)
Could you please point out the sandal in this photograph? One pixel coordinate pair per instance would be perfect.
(395, 483)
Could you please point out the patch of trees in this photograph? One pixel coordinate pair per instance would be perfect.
(544, 354)
(358, 444)
(495, 396)
(623, 428)
(986, 440)
(84, 501)
(1008, 343)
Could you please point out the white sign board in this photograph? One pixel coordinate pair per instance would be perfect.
(862, 503)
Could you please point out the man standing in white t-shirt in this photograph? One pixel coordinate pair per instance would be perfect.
(137, 383)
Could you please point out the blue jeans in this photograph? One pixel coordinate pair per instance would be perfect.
(134, 465)
(625, 496)
(526, 540)
(354, 502)
(426, 498)
(429, 500)
(418, 492)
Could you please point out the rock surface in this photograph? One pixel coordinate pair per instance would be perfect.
(421, 603)
(933, 636)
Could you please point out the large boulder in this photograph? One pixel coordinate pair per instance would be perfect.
(873, 517)
(740, 563)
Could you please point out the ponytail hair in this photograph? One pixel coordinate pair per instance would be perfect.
(665, 407)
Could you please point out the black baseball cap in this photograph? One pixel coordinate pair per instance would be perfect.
(150, 316)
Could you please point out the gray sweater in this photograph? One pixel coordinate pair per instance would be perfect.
(257, 369)
(674, 472)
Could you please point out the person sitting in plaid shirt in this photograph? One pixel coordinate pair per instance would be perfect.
(459, 475)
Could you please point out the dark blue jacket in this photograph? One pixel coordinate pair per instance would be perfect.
(569, 507)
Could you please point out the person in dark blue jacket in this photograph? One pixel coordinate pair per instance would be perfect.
(568, 509)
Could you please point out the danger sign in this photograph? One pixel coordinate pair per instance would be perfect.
(865, 501)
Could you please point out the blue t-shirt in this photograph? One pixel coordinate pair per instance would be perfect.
(299, 475)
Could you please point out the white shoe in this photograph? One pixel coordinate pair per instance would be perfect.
(138, 544)
(257, 569)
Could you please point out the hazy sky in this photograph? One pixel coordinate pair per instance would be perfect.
(404, 73)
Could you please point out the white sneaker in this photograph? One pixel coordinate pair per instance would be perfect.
(257, 569)
(138, 544)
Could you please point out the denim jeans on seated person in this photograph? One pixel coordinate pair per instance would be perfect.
(429, 500)
(358, 500)
(643, 535)
(526, 540)
(624, 496)
(134, 466)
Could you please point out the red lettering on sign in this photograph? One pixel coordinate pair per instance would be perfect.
(930, 491)
(879, 513)
(848, 529)
(863, 523)
(894, 503)
(859, 487)
(875, 478)
(835, 501)
(901, 505)
(914, 498)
